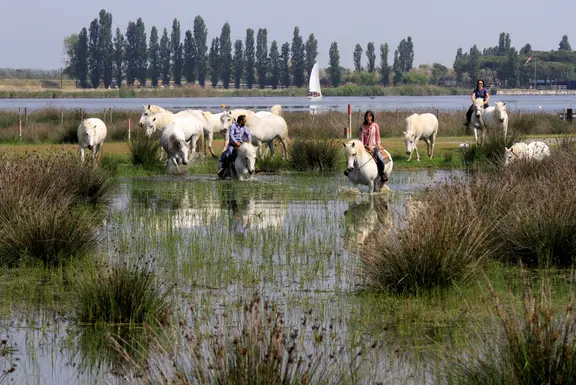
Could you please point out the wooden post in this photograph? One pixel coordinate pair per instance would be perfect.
(25, 115)
(61, 117)
(110, 114)
(349, 132)
(128, 130)
(81, 114)
(20, 129)
(397, 115)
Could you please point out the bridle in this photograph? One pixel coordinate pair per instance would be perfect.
(356, 161)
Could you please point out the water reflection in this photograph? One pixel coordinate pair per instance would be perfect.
(367, 221)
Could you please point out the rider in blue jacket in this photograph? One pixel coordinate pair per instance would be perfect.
(236, 135)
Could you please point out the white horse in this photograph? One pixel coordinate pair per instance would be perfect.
(211, 122)
(245, 162)
(263, 130)
(493, 118)
(420, 126)
(362, 168)
(536, 150)
(496, 118)
(191, 125)
(91, 134)
(173, 142)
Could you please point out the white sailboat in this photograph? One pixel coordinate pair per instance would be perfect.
(314, 91)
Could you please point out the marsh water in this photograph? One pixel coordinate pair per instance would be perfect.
(293, 239)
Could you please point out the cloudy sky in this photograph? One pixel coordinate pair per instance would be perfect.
(32, 31)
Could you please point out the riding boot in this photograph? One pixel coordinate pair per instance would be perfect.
(222, 168)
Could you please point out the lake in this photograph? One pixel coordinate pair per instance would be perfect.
(549, 103)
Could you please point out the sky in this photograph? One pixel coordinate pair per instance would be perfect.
(32, 31)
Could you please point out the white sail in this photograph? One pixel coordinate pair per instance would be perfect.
(314, 86)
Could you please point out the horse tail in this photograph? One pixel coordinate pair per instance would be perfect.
(276, 109)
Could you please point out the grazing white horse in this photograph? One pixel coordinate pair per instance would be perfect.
(420, 126)
(91, 134)
(361, 167)
(263, 130)
(173, 142)
(493, 118)
(536, 150)
(188, 122)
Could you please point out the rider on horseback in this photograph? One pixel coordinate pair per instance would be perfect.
(370, 138)
(235, 136)
(479, 92)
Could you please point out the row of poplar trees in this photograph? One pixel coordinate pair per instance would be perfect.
(96, 57)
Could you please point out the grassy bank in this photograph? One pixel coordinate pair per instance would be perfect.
(21, 92)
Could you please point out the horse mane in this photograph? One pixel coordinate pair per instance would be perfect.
(358, 146)
(153, 109)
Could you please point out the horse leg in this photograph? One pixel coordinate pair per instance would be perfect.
(410, 157)
(432, 144)
(428, 146)
(271, 147)
(82, 154)
(371, 187)
(476, 136)
(417, 153)
(283, 144)
(193, 143)
(210, 139)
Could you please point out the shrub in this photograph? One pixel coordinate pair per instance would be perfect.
(491, 152)
(315, 155)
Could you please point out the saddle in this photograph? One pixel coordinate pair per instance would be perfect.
(384, 154)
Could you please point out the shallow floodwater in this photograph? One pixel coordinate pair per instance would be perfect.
(291, 238)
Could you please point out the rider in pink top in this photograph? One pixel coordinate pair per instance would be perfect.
(370, 137)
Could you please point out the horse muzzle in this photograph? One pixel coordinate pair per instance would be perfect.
(90, 147)
(407, 152)
(347, 171)
(502, 120)
(140, 125)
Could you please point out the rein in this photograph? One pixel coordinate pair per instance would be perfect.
(364, 164)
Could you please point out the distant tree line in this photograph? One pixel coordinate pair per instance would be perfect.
(96, 57)
(505, 66)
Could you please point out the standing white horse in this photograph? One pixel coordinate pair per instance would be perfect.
(91, 134)
(173, 141)
(420, 126)
(361, 167)
(245, 162)
(496, 118)
(493, 118)
(263, 130)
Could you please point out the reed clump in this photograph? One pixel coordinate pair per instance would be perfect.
(128, 294)
(315, 155)
(44, 212)
(534, 344)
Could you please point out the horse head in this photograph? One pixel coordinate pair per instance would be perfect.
(351, 151)
(500, 109)
(178, 150)
(225, 122)
(150, 123)
(478, 111)
(247, 154)
(89, 135)
(410, 134)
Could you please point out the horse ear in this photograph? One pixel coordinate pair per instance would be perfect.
(154, 119)
(353, 143)
(149, 106)
(95, 126)
(344, 144)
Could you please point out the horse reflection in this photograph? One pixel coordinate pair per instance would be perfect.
(367, 221)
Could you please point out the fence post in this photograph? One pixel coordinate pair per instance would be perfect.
(110, 115)
(569, 115)
(81, 114)
(349, 132)
(128, 130)
(20, 129)
(61, 117)
(25, 115)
